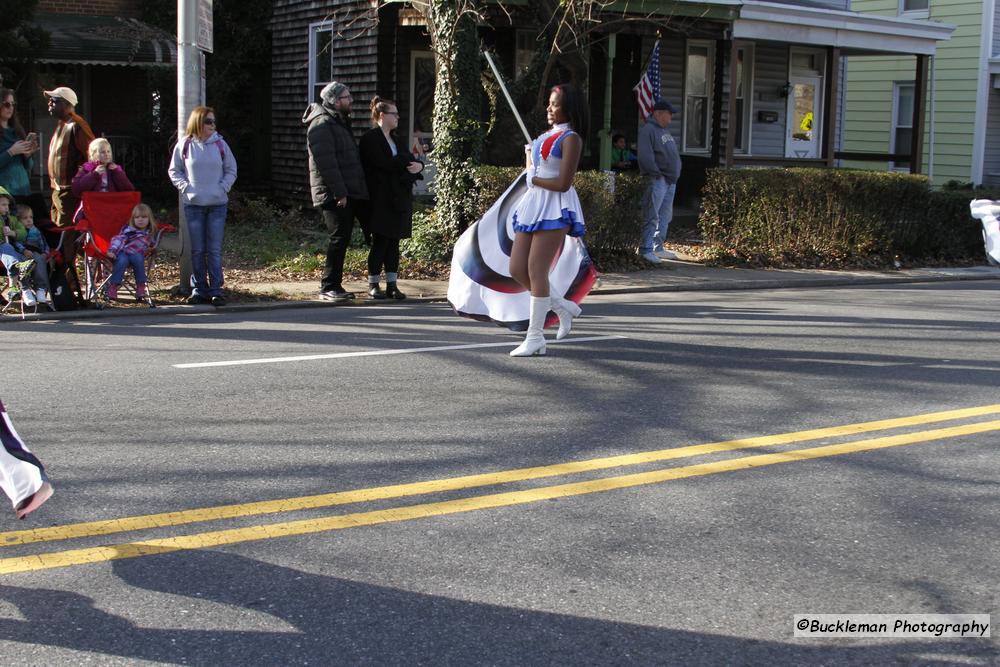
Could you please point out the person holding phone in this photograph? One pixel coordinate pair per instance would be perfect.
(16, 148)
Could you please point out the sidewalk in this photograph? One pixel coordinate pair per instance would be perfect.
(671, 276)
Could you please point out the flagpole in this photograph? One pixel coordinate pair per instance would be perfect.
(503, 87)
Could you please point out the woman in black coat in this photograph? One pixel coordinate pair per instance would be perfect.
(390, 171)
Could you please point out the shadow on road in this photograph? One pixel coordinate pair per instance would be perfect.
(326, 620)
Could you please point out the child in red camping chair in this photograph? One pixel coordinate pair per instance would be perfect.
(131, 247)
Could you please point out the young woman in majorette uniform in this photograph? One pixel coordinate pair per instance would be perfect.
(515, 282)
(547, 213)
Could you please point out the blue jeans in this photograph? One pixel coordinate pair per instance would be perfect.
(206, 225)
(657, 212)
(134, 259)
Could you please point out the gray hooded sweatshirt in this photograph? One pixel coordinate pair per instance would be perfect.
(203, 172)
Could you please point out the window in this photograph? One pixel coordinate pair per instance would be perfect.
(902, 122)
(320, 58)
(744, 98)
(698, 97)
(915, 8)
(526, 44)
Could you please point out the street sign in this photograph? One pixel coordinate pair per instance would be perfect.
(206, 33)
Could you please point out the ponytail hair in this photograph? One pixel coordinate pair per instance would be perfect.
(378, 106)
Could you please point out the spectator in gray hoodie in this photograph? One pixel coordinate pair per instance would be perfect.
(203, 169)
(660, 165)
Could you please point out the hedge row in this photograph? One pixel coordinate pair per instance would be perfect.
(835, 217)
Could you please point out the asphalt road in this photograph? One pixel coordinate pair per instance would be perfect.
(365, 507)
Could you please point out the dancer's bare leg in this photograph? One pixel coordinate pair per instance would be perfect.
(544, 246)
(519, 259)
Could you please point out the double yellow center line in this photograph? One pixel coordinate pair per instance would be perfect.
(236, 535)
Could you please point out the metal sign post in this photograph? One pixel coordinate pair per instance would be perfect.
(194, 37)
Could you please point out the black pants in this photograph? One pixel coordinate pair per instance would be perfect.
(340, 223)
(384, 252)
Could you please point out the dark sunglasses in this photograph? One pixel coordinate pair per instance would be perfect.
(209, 121)
(8, 105)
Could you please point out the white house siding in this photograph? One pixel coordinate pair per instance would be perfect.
(770, 76)
(832, 4)
(868, 99)
(991, 161)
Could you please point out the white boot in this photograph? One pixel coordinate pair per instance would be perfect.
(566, 310)
(534, 342)
(28, 297)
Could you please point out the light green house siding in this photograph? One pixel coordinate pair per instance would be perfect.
(953, 80)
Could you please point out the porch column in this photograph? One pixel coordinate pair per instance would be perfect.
(919, 104)
(716, 130)
(731, 106)
(830, 103)
(605, 133)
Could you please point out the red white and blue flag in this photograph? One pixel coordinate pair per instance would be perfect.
(647, 91)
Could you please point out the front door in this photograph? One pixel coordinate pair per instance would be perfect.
(804, 128)
(422, 77)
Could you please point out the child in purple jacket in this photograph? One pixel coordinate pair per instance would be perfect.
(130, 248)
(99, 174)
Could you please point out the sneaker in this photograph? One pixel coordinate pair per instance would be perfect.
(196, 300)
(34, 501)
(112, 291)
(28, 297)
(336, 295)
(218, 301)
(651, 258)
(42, 296)
(663, 253)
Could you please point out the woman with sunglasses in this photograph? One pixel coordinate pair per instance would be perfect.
(203, 169)
(390, 172)
(16, 148)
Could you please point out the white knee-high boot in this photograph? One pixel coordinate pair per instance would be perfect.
(534, 342)
(566, 310)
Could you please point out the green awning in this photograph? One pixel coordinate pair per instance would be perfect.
(105, 40)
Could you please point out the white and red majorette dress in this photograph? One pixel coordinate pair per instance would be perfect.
(481, 286)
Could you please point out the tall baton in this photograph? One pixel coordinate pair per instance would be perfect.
(517, 116)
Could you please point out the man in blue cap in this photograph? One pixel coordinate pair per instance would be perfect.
(660, 165)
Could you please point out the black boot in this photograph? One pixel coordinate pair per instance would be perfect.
(392, 292)
(375, 292)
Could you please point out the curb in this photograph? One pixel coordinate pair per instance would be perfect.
(790, 283)
(693, 285)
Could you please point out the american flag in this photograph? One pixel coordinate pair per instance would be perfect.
(647, 91)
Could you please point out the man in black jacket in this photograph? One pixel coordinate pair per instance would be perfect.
(336, 179)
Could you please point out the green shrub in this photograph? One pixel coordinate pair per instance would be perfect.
(833, 217)
(432, 240)
(613, 223)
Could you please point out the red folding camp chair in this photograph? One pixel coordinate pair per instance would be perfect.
(105, 214)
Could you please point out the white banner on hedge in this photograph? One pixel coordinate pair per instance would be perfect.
(987, 212)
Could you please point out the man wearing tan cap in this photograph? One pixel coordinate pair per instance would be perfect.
(67, 151)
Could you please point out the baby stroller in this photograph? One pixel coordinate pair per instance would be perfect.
(105, 213)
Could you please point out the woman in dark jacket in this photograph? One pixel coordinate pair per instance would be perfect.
(390, 171)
